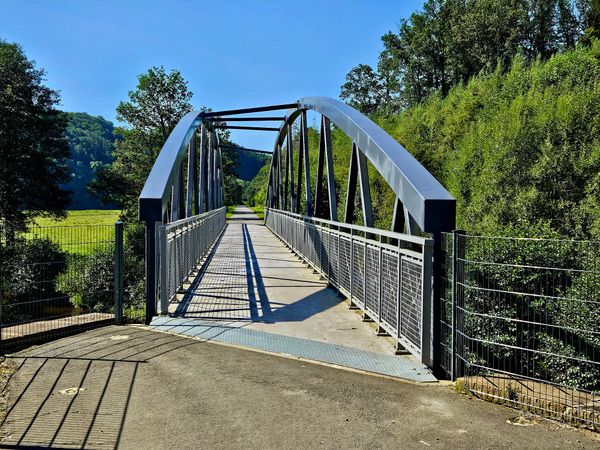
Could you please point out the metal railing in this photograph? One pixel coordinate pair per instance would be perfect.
(520, 322)
(387, 275)
(181, 245)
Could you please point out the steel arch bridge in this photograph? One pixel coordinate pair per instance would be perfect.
(393, 276)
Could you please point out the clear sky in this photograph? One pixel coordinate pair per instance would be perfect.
(234, 54)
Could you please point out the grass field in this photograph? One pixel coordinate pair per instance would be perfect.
(81, 232)
(83, 217)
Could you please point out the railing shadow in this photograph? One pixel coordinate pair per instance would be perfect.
(75, 393)
(243, 297)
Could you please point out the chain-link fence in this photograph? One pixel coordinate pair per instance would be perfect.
(521, 322)
(60, 279)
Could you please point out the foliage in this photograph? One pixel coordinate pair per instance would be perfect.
(91, 141)
(248, 164)
(255, 192)
(28, 272)
(154, 108)
(450, 41)
(520, 151)
(89, 280)
(33, 148)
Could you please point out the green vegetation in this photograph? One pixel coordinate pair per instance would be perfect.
(230, 210)
(91, 141)
(82, 217)
(520, 151)
(33, 148)
(451, 41)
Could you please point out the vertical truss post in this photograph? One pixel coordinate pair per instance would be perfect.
(300, 169)
(326, 131)
(287, 179)
(191, 177)
(325, 158)
(279, 180)
(351, 189)
(304, 149)
(319, 209)
(202, 169)
(210, 176)
(290, 163)
(365, 188)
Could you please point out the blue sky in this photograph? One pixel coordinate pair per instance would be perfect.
(234, 53)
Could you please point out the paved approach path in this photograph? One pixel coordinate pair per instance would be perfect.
(253, 291)
(129, 387)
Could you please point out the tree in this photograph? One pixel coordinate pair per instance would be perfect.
(450, 41)
(33, 147)
(362, 89)
(159, 101)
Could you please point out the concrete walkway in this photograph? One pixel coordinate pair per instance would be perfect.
(129, 387)
(252, 290)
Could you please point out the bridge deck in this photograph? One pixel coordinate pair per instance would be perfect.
(253, 291)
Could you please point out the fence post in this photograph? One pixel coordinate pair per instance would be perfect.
(456, 276)
(118, 284)
(428, 319)
(164, 269)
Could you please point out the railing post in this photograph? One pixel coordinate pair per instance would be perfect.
(456, 276)
(428, 339)
(164, 270)
(118, 272)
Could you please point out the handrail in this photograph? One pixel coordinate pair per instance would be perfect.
(348, 226)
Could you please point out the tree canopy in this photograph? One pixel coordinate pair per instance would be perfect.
(33, 147)
(152, 111)
(450, 41)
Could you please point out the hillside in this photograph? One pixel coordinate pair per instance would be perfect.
(91, 141)
(519, 150)
(248, 164)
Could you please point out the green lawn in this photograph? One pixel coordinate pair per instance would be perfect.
(82, 217)
(81, 232)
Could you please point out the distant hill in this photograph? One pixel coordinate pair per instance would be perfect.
(249, 164)
(91, 141)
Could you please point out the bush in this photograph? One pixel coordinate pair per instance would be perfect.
(31, 268)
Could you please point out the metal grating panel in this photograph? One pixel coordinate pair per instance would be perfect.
(389, 288)
(358, 272)
(304, 348)
(372, 288)
(410, 300)
(345, 263)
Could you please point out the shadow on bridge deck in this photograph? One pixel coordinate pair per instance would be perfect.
(252, 291)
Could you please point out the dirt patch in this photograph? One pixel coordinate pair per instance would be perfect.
(7, 369)
(555, 402)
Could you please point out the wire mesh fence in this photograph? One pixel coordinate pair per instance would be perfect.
(58, 279)
(521, 322)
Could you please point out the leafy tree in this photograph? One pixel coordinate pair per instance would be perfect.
(154, 108)
(450, 41)
(362, 89)
(33, 148)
